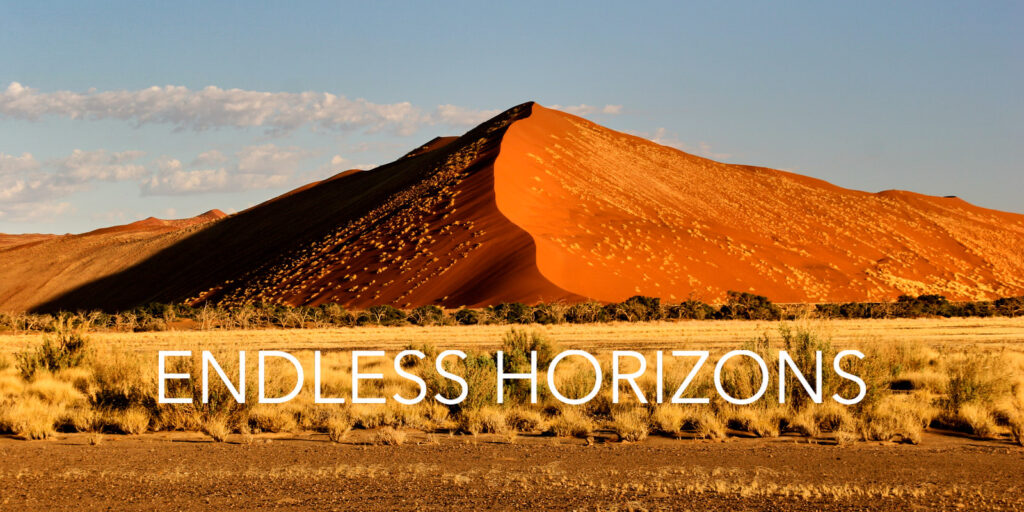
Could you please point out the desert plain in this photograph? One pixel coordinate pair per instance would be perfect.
(441, 463)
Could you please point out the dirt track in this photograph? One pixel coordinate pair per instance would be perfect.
(305, 472)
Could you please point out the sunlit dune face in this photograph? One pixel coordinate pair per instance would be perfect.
(614, 215)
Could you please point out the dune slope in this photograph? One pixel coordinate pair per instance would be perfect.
(614, 215)
(536, 205)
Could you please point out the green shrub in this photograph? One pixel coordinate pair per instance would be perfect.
(513, 313)
(466, 316)
(690, 310)
(386, 315)
(747, 306)
(427, 315)
(638, 309)
(585, 313)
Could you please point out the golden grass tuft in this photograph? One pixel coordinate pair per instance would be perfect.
(54, 391)
(79, 418)
(217, 428)
(524, 419)
(389, 436)
(268, 418)
(133, 420)
(978, 419)
(632, 424)
(29, 418)
(338, 427)
(571, 423)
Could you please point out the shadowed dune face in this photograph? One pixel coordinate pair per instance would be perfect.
(439, 240)
(614, 216)
(42, 267)
(422, 230)
(535, 205)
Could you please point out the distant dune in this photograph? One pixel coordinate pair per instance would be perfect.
(536, 205)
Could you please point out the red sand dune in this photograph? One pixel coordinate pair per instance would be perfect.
(539, 205)
(50, 265)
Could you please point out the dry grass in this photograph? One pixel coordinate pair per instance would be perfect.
(134, 420)
(389, 436)
(976, 387)
(571, 423)
(978, 419)
(631, 424)
(29, 418)
(338, 427)
(267, 418)
(217, 428)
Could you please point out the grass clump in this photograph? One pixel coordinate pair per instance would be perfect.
(571, 423)
(338, 427)
(29, 418)
(631, 425)
(217, 428)
(389, 436)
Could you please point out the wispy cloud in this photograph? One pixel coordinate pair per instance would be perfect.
(87, 166)
(34, 212)
(255, 167)
(663, 137)
(26, 183)
(10, 164)
(213, 107)
(586, 110)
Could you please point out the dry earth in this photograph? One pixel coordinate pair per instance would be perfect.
(437, 472)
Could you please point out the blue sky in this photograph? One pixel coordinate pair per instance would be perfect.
(115, 111)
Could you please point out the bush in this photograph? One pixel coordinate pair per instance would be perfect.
(1010, 306)
(386, 315)
(469, 317)
(747, 306)
(690, 310)
(67, 350)
(216, 427)
(974, 380)
(338, 427)
(585, 313)
(513, 313)
(427, 315)
(637, 309)
(547, 314)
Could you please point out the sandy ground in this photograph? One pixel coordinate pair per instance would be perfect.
(439, 472)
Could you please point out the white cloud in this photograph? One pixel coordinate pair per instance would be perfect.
(257, 167)
(32, 187)
(704, 149)
(213, 107)
(34, 212)
(461, 116)
(172, 178)
(10, 164)
(270, 159)
(211, 157)
(585, 110)
(115, 216)
(86, 166)
(661, 136)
